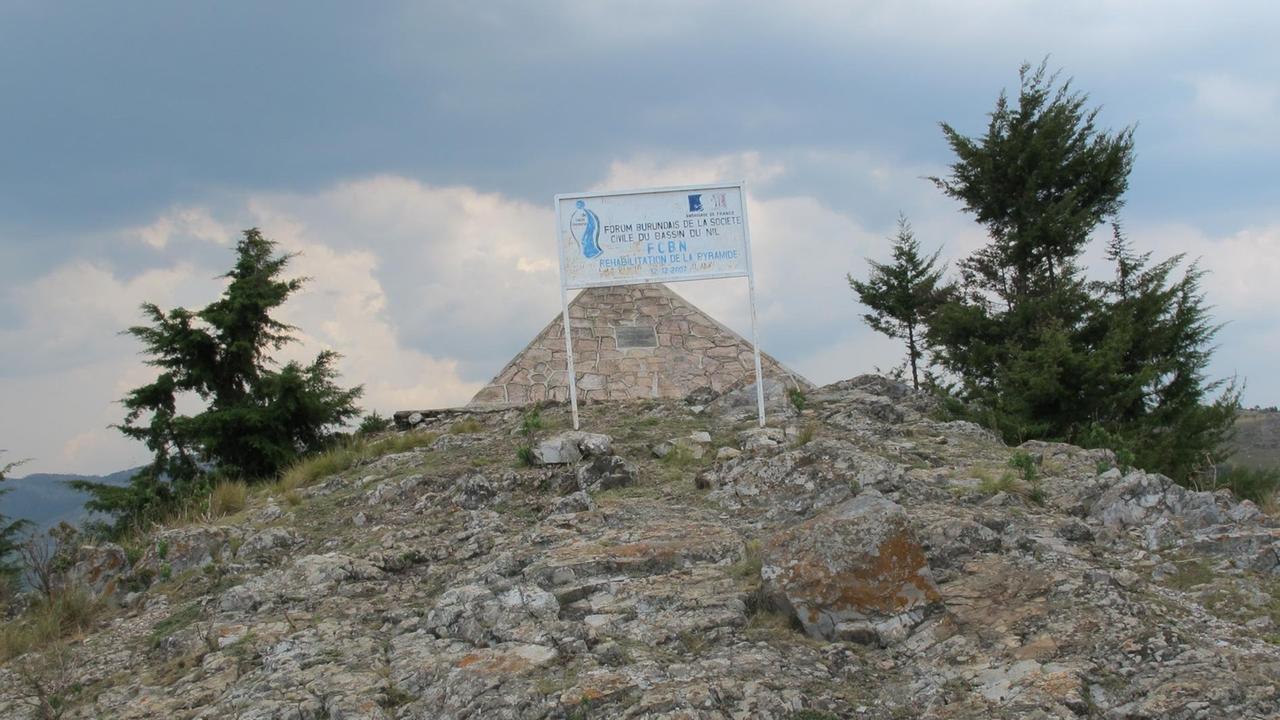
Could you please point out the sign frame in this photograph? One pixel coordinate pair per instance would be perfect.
(749, 273)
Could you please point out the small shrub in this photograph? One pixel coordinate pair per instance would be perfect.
(463, 427)
(162, 549)
(293, 498)
(373, 423)
(797, 398)
(1098, 436)
(1007, 483)
(524, 454)
(228, 498)
(1257, 484)
(805, 436)
(1025, 464)
(132, 552)
(1036, 493)
(393, 697)
(45, 680)
(531, 423)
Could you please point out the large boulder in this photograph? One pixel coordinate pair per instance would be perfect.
(99, 568)
(1148, 500)
(793, 485)
(606, 473)
(569, 447)
(177, 550)
(854, 573)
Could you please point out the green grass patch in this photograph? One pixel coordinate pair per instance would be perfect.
(1191, 573)
(989, 484)
(175, 622)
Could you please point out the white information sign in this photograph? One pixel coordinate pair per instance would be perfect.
(647, 236)
(695, 232)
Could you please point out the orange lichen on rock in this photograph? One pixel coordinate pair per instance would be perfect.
(858, 565)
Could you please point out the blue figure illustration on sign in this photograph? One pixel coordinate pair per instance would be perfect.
(695, 203)
(590, 228)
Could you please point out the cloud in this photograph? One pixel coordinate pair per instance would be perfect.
(1235, 111)
(182, 223)
(466, 273)
(1242, 266)
(650, 171)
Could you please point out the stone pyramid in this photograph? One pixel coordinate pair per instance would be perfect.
(632, 342)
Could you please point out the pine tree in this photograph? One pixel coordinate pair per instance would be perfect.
(256, 419)
(1041, 180)
(1038, 350)
(1154, 346)
(9, 529)
(902, 294)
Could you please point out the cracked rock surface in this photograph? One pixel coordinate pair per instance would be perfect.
(861, 558)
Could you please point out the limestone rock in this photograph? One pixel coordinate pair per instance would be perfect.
(606, 473)
(267, 544)
(180, 549)
(759, 438)
(99, 568)
(855, 573)
(727, 453)
(557, 451)
(570, 447)
(949, 542)
(476, 588)
(474, 492)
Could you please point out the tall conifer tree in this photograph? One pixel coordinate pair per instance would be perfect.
(1037, 349)
(902, 294)
(256, 419)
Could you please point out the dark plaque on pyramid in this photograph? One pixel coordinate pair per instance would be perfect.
(636, 336)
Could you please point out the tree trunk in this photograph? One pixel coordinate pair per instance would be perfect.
(911, 354)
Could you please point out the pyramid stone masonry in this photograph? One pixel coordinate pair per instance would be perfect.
(631, 342)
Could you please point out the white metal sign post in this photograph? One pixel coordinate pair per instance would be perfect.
(659, 235)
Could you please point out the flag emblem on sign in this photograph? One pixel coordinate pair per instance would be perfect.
(695, 203)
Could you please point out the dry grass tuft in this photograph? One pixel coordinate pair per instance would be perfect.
(463, 427)
(228, 498)
(69, 613)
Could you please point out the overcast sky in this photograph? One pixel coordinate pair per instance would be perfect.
(410, 151)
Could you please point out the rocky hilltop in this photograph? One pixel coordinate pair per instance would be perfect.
(859, 558)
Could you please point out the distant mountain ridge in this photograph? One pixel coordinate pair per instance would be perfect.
(46, 499)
